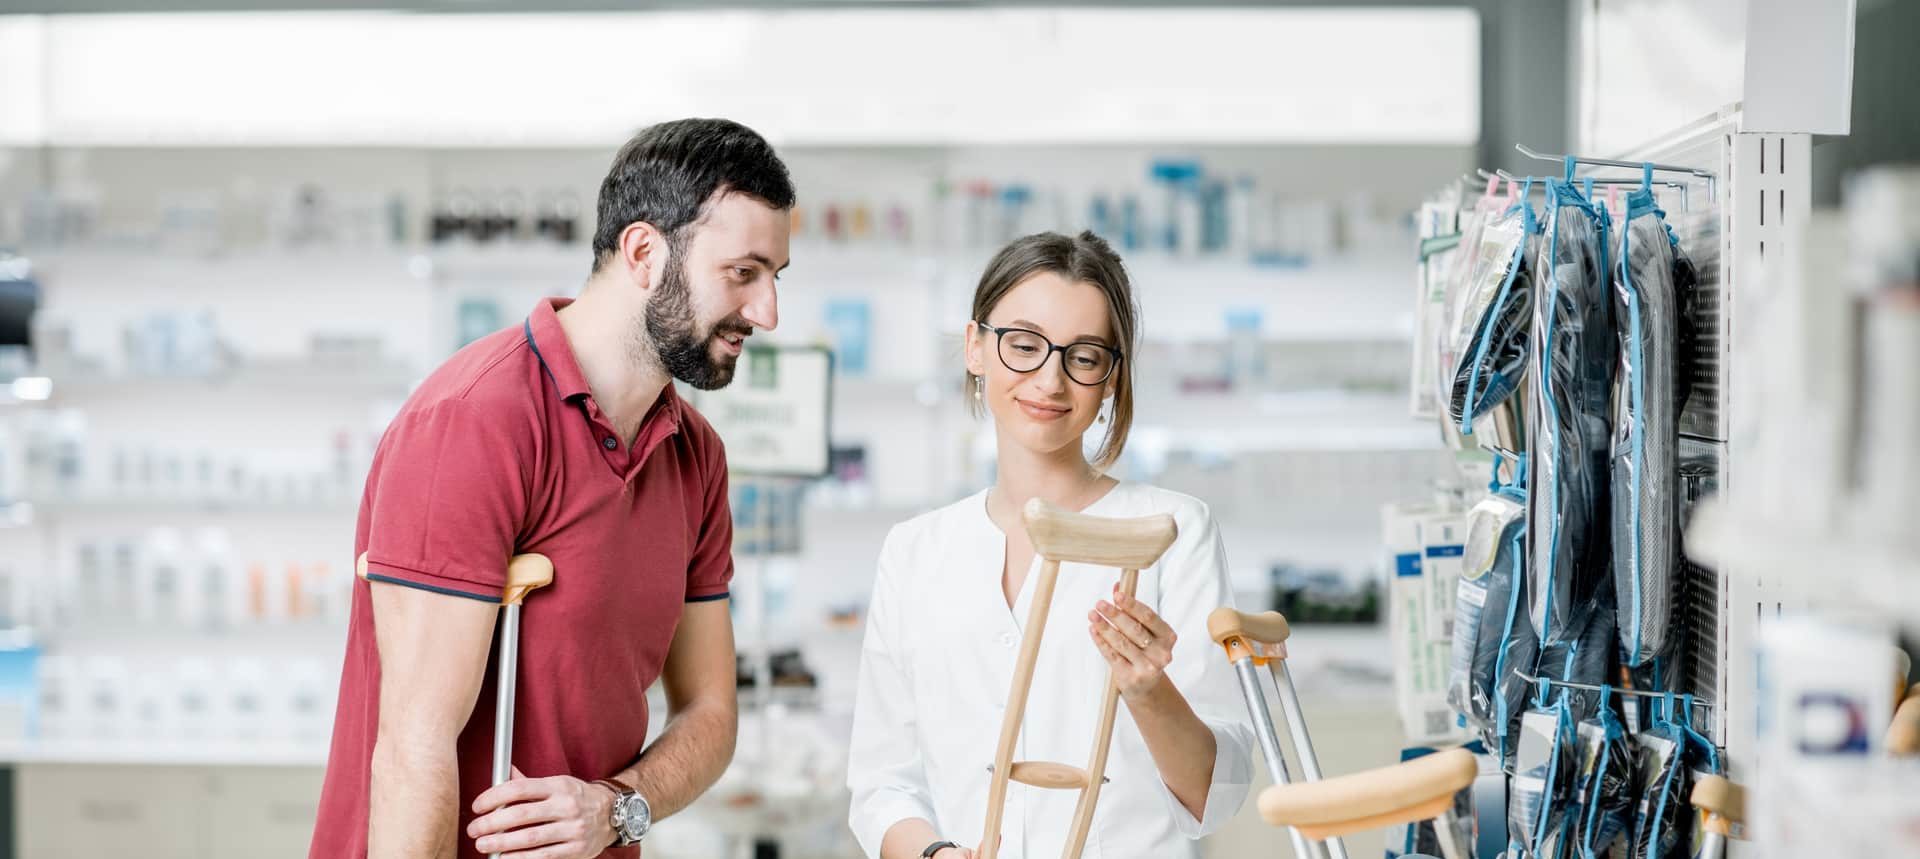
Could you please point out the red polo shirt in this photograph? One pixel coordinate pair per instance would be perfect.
(501, 451)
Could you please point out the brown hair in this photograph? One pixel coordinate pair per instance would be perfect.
(1085, 258)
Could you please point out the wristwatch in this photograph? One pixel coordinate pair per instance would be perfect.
(936, 847)
(632, 817)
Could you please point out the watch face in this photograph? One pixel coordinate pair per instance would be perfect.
(639, 818)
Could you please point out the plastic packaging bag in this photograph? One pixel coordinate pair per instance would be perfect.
(1585, 656)
(1460, 272)
(1543, 776)
(1569, 411)
(1645, 511)
(1604, 796)
(1671, 754)
(1495, 528)
(1489, 335)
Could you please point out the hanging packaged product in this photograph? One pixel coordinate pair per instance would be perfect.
(1584, 656)
(1487, 608)
(1569, 410)
(1461, 267)
(1544, 767)
(1646, 440)
(1604, 797)
(1489, 329)
(1671, 754)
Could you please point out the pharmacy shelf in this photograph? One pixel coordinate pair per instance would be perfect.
(258, 377)
(139, 752)
(133, 504)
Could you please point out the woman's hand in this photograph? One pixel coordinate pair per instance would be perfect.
(1138, 645)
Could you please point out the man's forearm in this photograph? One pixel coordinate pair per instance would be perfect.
(413, 801)
(686, 759)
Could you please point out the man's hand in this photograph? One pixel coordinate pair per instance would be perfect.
(560, 817)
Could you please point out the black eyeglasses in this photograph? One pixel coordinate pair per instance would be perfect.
(1024, 351)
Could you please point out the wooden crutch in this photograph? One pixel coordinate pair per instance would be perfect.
(525, 573)
(1261, 640)
(1724, 805)
(1903, 736)
(1409, 791)
(1061, 537)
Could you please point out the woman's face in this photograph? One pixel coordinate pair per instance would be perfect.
(1043, 410)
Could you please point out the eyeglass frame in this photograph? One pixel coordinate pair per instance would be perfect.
(1000, 334)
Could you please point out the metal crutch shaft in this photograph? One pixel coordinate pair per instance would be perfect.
(1269, 742)
(1448, 835)
(503, 700)
(524, 574)
(1302, 744)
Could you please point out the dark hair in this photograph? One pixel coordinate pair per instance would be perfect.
(1085, 258)
(668, 172)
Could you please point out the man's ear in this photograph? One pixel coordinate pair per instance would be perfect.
(642, 248)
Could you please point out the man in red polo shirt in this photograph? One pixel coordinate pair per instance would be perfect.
(562, 435)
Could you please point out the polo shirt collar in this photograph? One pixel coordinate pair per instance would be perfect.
(551, 347)
(556, 357)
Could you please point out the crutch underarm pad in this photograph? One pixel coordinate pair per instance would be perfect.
(1129, 544)
(1267, 627)
(1418, 789)
(524, 574)
(1724, 802)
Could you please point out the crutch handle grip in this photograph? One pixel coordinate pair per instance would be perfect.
(525, 573)
(1903, 737)
(1267, 627)
(1129, 544)
(1419, 789)
(1724, 802)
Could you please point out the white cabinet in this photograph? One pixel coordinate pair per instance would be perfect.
(85, 811)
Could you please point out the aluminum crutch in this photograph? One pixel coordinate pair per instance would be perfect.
(1061, 537)
(1261, 639)
(525, 573)
(1723, 804)
(1406, 792)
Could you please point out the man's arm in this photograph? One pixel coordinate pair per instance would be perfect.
(702, 713)
(433, 657)
(571, 817)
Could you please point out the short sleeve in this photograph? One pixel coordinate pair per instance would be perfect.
(1195, 581)
(447, 496)
(710, 572)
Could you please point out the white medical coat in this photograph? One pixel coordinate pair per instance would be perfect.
(937, 663)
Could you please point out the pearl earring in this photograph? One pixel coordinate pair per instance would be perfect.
(980, 388)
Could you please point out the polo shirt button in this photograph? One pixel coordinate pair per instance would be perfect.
(609, 443)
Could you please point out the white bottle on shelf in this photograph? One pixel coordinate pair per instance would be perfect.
(209, 603)
(200, 708)
(160, 595)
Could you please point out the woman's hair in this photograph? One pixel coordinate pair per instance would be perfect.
(1085, 258)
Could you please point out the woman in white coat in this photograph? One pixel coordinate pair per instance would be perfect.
(1050, 354)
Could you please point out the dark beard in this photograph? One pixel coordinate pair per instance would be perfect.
(682, 349)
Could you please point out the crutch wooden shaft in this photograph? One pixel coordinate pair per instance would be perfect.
(989, 845)
(1109, 708)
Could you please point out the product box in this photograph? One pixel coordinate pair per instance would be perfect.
(1421, 649)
